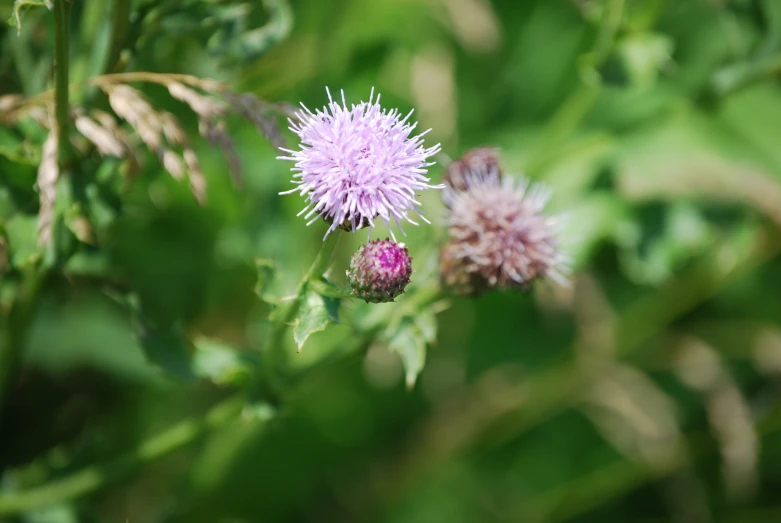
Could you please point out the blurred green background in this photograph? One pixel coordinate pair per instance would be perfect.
(646, 391)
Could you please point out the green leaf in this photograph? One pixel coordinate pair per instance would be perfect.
(169, 350)
(16, 18)
(265, 268)
(316, 313)
(644, 56)
(242, 44)
(326, 288)
(426, 322)
(22, 234)
(224, 365)
(409, 341)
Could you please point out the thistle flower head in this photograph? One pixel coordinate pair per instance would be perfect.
(500, 238)
(359, 163)
(379, 271)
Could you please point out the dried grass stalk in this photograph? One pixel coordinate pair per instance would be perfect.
(216, 133)
(157, 129)
(260, 114)
(204, 106)
(161, 132)
(106, 142)
(211, 124)
(110, 124)
(131, 106)
(8, 105)
(48, 173)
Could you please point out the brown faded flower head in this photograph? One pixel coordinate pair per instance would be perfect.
(500, 238)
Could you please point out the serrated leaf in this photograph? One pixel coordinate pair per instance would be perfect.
(410, 343)
(221, 364)
(316, 313)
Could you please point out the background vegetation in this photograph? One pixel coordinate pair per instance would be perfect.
(646, 391)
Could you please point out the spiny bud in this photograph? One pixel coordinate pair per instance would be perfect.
(379, 271)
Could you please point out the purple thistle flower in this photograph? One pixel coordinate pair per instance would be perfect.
(379, 271)
(359, 163)
(499, 236)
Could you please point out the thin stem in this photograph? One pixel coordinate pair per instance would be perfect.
(95, 477)
(120, 25)
(61, 53)
(274, 349)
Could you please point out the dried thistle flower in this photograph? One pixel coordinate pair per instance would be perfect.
(358, 163)
(379, 271)
(499, 237)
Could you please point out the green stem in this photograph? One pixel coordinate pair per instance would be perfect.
(61, 54)
(95, 477)
(330, 290)
(274, 349)
(120, 26)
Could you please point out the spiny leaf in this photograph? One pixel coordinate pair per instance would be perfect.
(316, 313)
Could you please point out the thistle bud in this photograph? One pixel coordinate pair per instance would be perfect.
(379, 271)
(477, 166)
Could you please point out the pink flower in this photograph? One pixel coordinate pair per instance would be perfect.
(359, 163)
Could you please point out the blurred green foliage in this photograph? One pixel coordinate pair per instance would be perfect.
(646, 391)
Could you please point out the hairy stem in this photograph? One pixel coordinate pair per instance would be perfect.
(95, 477)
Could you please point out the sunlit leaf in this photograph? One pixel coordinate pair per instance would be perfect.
(409, 341)
(222, 364)
(316, 313)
